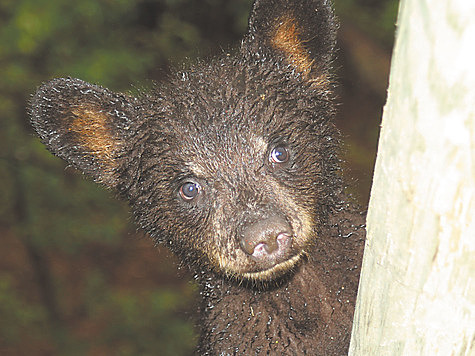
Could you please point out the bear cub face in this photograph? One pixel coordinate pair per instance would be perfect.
(233, 163)
(245, 172)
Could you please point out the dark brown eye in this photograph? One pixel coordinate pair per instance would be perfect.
(189, 191)
(279, 154)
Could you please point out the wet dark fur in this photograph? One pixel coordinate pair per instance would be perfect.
(216, 124)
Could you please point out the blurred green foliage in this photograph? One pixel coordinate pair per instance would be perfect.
(139, 323)
(18, 316)
(376, 17)
(62, 284)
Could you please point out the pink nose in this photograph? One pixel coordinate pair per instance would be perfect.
(266, 237)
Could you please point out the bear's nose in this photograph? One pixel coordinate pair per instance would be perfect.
(267, 237)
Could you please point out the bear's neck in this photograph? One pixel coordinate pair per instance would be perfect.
(310, 313)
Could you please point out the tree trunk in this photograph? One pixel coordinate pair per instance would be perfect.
(417, 290)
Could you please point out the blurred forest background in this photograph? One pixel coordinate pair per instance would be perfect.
(76, 278)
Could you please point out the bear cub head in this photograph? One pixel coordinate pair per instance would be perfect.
(232, 163)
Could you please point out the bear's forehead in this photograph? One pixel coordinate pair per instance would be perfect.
(217, 118)
(214, 149)
(224, 119)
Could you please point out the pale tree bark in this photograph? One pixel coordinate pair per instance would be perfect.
(417, 289)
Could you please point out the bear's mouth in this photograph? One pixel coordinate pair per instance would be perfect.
(275, 271)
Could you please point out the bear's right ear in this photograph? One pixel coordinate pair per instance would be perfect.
(302, 33)
(87, 125)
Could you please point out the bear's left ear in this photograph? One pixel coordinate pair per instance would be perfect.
(301, 32)
(89, 126)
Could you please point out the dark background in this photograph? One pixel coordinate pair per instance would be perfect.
(76, 277)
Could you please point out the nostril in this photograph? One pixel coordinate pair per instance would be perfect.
(248, 245)
(260, 249)
(268, 246)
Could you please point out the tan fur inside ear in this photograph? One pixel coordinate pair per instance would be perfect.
(287, 39)
(91, 127)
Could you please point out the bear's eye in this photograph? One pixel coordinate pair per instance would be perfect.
(279, 154)
(189, 191)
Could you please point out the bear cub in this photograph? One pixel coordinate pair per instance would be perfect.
(233, 164)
